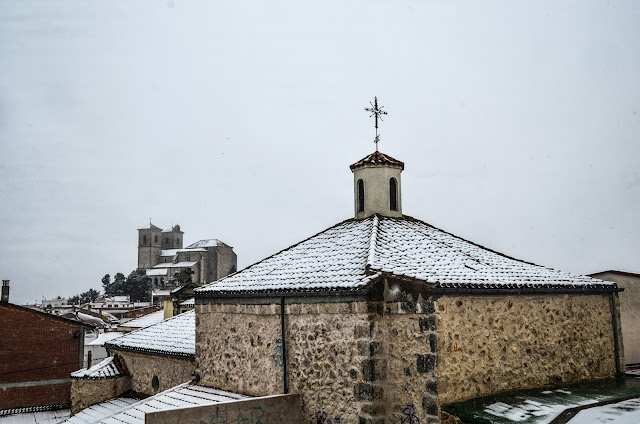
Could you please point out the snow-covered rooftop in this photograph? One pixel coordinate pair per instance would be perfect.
(188, 302)
(352, 253)
(156, 272)
(206, 243)
(107, 368)
(173, 252)
(35, 415)
(145, 320)
(174, 336)
(377, 158)
(101, 410)
(176, 265)
(184, 395)
(104, 337)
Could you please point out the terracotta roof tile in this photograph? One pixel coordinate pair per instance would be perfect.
(377, 158)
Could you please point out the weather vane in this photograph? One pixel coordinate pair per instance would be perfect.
(377, 112)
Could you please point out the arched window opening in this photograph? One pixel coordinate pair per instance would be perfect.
(155, 383)
(144, 239)
(360, 196)
(178, 240)
(393, 194)
(155, 281)
(155, 239)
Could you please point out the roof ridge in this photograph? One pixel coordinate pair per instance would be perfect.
(110, 342)
(373, 242)
(201, 288)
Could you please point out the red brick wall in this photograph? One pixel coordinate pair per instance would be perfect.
(36, 346)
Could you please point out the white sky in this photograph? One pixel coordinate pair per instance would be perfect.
(518, 122)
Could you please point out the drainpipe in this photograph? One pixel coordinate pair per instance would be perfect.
(284, 347)
(616, 339)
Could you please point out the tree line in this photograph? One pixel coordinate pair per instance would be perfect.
(137, 286)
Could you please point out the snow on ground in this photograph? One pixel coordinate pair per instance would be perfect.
(625, 412)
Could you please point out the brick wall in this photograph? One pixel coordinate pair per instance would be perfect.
(36, 346)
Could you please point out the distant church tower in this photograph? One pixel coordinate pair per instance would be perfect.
(152, 240)
(376, 179)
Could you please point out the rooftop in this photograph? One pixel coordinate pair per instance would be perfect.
(110, 367)
(184, 395)
(145, 320)
(355, 252)
(377, 158)
(206, 243)
(175, 336)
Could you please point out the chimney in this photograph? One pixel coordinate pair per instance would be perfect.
(5, 292)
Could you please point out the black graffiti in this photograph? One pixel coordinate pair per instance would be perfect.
(409, 413)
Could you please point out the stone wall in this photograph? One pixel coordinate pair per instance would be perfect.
(491, 344)
(86, 392)
(629, 311)
(359, 361)
(144, 367)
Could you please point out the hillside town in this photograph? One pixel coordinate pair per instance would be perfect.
(380, 318)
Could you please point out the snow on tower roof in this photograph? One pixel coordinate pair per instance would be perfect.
(206, 243)
(377, 158)
(355, 252)
(175, 336)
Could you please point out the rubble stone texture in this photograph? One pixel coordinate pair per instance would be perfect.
(493, 344)
(88, 391)
(170, 371)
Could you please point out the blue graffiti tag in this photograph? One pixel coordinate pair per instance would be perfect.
(321, 418)
(278, 358)
(252, 419)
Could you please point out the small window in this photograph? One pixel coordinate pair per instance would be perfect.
(360, 196)
(144, 239)
(178, 240)
(393, 194)
(155, 281)
(155, 239)
(166, 241)
(155, 383)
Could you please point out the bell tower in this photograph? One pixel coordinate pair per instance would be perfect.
(377, 186)
(376, 178)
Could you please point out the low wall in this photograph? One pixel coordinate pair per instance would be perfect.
(265, 410)
(86, 391)
(491, 344)
(169, 372)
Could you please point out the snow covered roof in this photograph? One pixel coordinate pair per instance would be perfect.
(176, 265)
(156, 272)
(206, 243)
(377, 158)
(145, 320)
(100, 410)
(108, 368)
(188, 302)
(174, 336)
(104, 337)
(355, 252)
(150, 226)
(36, 414)
(184, 395)
(173, 252)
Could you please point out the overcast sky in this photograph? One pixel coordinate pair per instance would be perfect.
(518, 122)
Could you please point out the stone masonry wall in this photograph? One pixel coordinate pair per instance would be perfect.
(494, 344)
(143, 367)
(337, 353)
(86, 392)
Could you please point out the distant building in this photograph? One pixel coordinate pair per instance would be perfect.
(160, 252)
(38, 351)
(629, 310)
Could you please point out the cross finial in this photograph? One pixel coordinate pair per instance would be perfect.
(377, 112)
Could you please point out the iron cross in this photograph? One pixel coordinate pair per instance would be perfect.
(377, 112)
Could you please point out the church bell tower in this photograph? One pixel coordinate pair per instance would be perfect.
(377, 186)
(376, 179)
